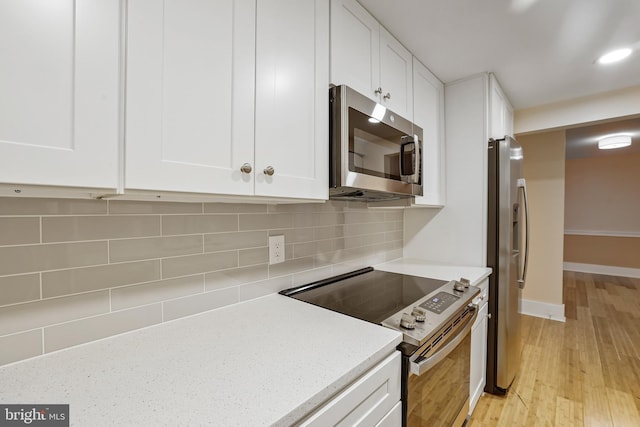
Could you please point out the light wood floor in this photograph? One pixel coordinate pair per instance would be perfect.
(585, 372)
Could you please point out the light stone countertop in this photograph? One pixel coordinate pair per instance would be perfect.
(422, 268)
(268, 361)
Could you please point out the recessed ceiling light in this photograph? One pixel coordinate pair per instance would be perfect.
(614, 56)
(614, 141)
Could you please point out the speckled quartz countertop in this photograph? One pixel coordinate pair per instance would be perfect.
(422, 268)
(268, 361)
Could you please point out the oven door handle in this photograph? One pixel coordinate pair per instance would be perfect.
(419, 368)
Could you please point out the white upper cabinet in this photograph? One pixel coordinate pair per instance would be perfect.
(226, 97)
(501, 115)
(428, 113)
(370, 60)
(59, 92)
(190, 88)
(292, 99)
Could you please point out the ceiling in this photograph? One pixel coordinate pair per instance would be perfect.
(541, 51)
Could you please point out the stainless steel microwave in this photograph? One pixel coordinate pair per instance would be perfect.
(374, 153)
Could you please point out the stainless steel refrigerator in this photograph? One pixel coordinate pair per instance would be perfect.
(507, 255)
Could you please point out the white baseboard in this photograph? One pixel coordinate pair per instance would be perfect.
(602, 269)
(543, 309)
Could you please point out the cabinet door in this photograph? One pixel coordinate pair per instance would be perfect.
(292, 99)
(59, 86)
(428, 113)
(190, 86)
(355, 48)
(396, 75)
(500, 110)
(477, 377)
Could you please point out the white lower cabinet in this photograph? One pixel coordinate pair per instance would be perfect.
(477, 376)
(372, 400)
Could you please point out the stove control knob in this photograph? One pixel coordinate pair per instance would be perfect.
(458, 286)
(419, 313)
(408, 321)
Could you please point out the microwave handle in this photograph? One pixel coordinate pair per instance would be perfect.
(413, 177)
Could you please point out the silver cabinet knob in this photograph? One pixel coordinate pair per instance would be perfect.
(378, 91)
(387, 96)
(246, 168)
(269, 170)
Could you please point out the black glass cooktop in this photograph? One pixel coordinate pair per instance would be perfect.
(369, 294)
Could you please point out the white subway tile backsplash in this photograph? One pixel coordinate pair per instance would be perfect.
(22, 317)
(75, 228)
(103, 268)
(32, 258)
(194, 304)
(19, 230)
(77, 280)
(81, 331)
(20, 346)
(20, 288)
(154, 247)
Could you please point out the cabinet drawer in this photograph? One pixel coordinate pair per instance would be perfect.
(366, 402)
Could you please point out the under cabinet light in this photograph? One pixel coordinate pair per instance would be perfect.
(614, 141)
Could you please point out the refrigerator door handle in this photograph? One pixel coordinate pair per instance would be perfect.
(522, 184)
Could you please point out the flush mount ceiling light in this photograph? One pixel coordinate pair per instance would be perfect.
(614, 56)
(614, 141)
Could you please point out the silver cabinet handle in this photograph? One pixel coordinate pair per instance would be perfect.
(522, 184)
(246, 168)
(269, 170)
(387, 96)
(378, 91)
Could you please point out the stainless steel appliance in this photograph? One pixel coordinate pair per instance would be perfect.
(435, 318)
(507, 255)
(374, 153)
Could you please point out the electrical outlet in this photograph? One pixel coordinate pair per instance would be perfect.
(276, 249)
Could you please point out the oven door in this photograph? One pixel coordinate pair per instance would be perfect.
(438, 381)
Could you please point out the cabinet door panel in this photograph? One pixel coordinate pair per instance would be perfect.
(190, 95)
(355, 52)
(396, 75)
(59, 86)
(428, 113)
(292, 70)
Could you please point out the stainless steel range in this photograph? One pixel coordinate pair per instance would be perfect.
(435, 317)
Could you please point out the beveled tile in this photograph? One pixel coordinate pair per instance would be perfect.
(362, 217)
(295, 235)
(238, 240)
(393, 235)
(194, 304)
(75, 228)
(19, 230)
(198, 224)
(328, 218)
(34, 206)
(135, 207)
(234, 208)
(22, 317)
(265, 221)
(235, 277)
(93, 328)
(20, 346)
(253, 256)
(291, 266)
(161, 290)
(154, 247)
(31, 258)
(305, 249)
(76, 280)
(17, 289)
(328, 232)
(264, 287)
(194, 264)
(394, 216)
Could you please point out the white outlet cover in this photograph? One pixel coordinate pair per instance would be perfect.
(276, 249)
